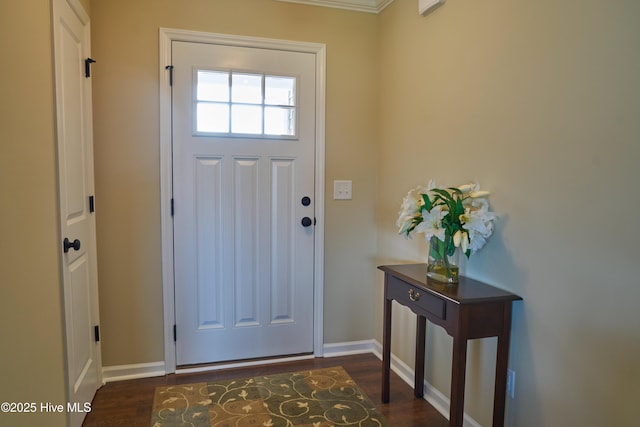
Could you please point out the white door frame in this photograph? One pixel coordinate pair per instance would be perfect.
(167, 36)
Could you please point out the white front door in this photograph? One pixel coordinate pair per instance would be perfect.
(75, 178)
(244, 203)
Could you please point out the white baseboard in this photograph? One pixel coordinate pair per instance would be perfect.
(348, 348)
(432, 395)
(404, 371)
(156, 369)
(131, 372)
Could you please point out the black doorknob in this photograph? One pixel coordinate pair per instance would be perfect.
(306, 221)
(306, 201)
(67, 244)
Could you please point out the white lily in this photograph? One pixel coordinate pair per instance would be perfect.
(431, 224)
(474, 226)
(457, 238)
(461, 240)
(408, 210)
(474, 221)
(477, 242)
(468, 188)
(479, 194)
(465, 241)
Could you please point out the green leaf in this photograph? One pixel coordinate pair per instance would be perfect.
(451, 248)
(437, 249)
(459, 208)
(455, 190)
(427, 202)
(433, 252)
(444, 195)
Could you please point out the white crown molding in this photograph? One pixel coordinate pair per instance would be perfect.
(371, 6)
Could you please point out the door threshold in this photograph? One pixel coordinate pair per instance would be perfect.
(218, 366)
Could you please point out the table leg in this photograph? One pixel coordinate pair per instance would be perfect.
(386, 349)
(502, 360)
(418, 383)
(456, 412)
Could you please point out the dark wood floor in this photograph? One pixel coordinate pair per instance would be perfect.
(128, 403)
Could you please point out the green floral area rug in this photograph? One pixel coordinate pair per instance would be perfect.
(317, 398)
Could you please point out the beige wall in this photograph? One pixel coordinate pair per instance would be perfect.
(125, 44)
(538, 100)
(32, 350)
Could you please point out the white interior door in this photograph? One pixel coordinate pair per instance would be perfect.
(75, 169)
(244, 167)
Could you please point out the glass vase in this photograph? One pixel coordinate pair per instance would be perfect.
(443, 264)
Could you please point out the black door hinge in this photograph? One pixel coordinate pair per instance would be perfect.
(87, 66)
(170, 68)
(175, 333)
(173, 209)
(92, 205)
(96, 333)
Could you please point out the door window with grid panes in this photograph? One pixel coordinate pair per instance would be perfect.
(234, 103)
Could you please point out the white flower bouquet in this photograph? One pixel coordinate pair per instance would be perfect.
(450, 218)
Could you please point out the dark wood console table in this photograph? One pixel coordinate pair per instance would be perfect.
(467, 310)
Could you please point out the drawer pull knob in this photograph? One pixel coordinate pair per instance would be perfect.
(414, 296)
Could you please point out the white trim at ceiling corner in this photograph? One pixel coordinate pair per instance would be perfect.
(371, 6)
(166, 36)
(383, 3)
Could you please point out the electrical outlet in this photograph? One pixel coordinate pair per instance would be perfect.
(342, 190)
(511, 382)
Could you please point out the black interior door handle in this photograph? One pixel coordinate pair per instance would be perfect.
(67, 244)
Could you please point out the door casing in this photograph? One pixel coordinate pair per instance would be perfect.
(167, 36)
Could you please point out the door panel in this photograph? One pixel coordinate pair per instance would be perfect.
(282, 216)
(209, 214)
(75, 178)
(246, 240)
(243, 261)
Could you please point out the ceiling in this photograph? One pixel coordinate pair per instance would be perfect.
(372, 6)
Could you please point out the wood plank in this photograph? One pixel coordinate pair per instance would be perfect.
(128, 403)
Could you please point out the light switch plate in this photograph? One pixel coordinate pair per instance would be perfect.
(425, 6)
(342, 190)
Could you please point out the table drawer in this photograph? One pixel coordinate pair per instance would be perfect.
(416, 298)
